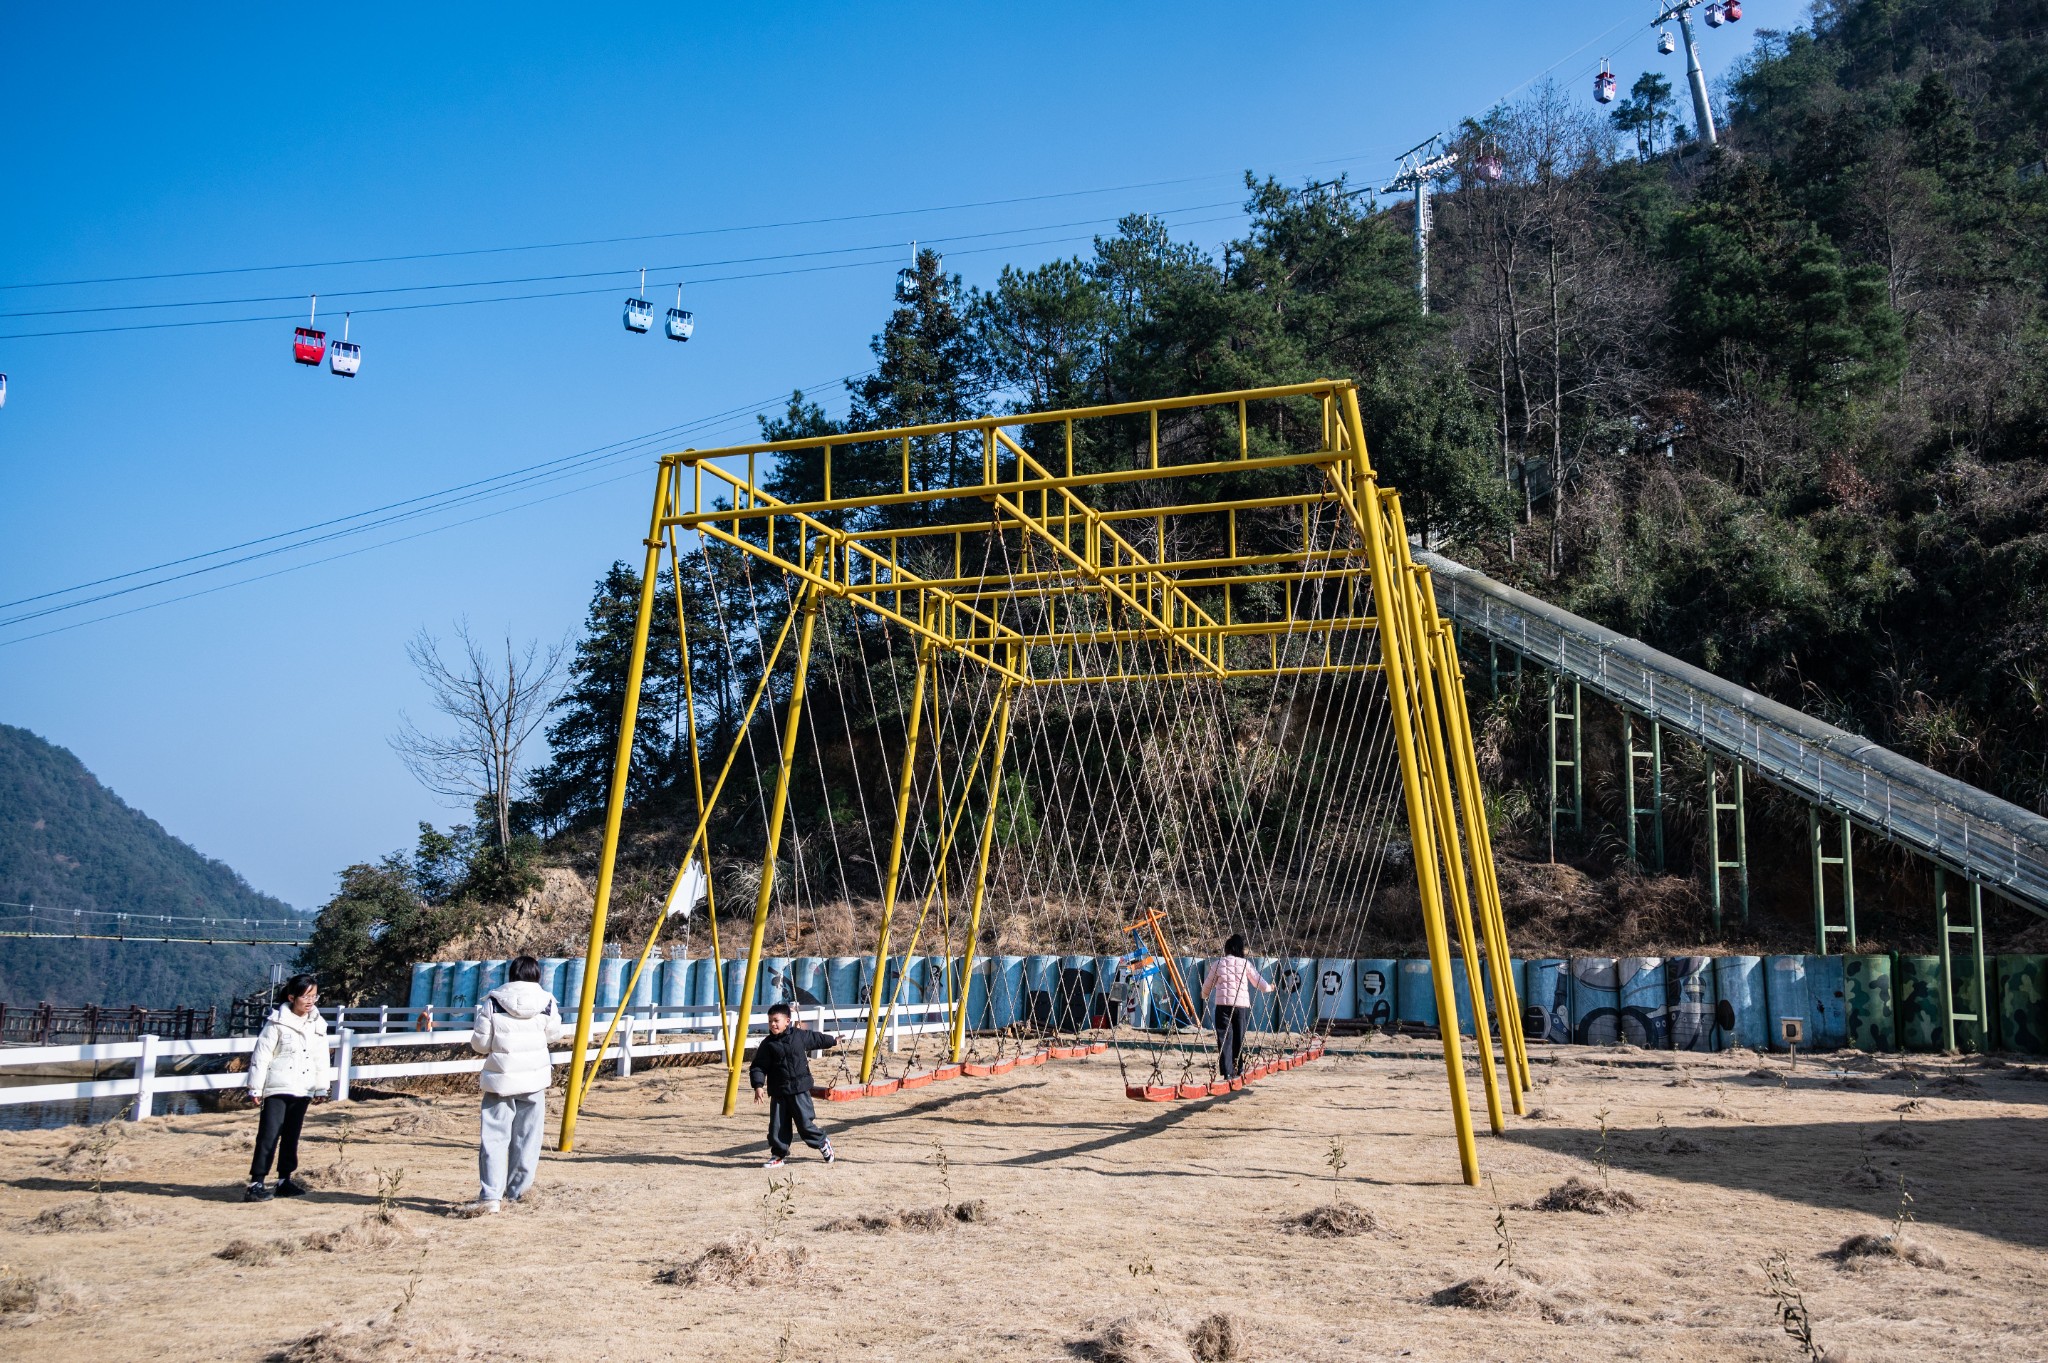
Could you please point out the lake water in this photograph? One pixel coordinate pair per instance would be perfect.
(86, 1111)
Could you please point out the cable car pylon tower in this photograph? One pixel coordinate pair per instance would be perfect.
(1419, 168)
(1702, 112)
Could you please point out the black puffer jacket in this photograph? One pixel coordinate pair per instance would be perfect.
(782, 1064)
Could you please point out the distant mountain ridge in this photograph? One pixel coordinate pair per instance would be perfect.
(67, 842)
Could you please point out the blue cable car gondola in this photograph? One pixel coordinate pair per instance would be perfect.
(680, 323)
(344, 357)
(639, 312)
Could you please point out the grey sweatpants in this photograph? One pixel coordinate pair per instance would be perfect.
(511, 1130)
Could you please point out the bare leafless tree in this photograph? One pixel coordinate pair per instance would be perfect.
(495, 705)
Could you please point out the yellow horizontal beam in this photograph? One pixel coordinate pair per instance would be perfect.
(1240, 630)
(1320, 388)
(1014, 487)
(1318, 670)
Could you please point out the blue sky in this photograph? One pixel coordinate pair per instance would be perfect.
(252, 720)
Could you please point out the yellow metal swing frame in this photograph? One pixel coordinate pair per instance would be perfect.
(1044, 501)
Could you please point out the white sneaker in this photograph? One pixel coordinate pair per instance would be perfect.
(775, 1163)
(480, 1208)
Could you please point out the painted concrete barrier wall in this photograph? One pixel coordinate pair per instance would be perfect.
(1873, 1002)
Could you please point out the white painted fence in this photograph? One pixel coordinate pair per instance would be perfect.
(645, 1032)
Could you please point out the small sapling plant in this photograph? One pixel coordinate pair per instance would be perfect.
(778, 1206)
(1334, 1158)
(1793, 1318)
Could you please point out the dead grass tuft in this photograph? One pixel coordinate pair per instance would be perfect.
(1334, 1220)
(1139, 1339)
(737, 1262)
(1900, 1137)
(372, 1231)
(26, 1298)
(1542, 1114)
(384, 1340)
(923, 1219)
(1887, 1248)
(1725, 1114)
(1577, 1195)
(2029, 1074)
(423, 1121)
(256, 1253)
(1221, 1338)
(83, 1158)
(93, 1214)
(1495, 1291)
(339, 1177)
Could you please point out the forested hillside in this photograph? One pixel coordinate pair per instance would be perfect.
(1779, 408)
(73, 849)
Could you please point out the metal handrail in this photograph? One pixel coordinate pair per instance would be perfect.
(1992, 841)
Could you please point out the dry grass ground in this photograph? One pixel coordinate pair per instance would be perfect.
(1108, 1229)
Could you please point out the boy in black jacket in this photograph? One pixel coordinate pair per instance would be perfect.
(782, 1070)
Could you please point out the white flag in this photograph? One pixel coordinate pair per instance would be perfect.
(690, 887)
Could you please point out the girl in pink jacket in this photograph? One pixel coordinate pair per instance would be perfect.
(1228, 984)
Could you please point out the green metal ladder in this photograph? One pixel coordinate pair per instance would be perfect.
(1716, 865)
(1654, 755)
(1822, 929)
(1558, 764)
(1947, 931)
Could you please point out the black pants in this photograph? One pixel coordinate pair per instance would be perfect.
(1230, 1023)
(794, 1111)
(277, 1134)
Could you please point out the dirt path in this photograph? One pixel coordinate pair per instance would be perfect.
(1112, 1230)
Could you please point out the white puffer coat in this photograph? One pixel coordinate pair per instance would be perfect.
(515, 1025)
(290, 1057)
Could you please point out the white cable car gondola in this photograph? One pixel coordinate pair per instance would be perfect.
(1604, 84)
(906, 278)
(1714, 19)
(680, 323)
(1666, 43)
(344, 357)
(3, 390)
(309, 346)
(1487, 164)
(639, 312)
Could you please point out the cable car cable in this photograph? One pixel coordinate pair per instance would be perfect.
(605, 453)
(530, 297)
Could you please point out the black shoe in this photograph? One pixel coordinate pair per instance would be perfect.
(289, 1186)
(258, 1192)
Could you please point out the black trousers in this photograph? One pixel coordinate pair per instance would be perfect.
(277, 1134)
(793, 1112)
(1230, 1024)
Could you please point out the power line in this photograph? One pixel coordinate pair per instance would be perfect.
(619, 449)
(530, 297)
(332, 293)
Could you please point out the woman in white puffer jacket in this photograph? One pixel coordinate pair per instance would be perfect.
(516, 1024)
(287, 1070)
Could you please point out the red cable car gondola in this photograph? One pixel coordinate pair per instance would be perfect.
(309, 346)
(1732, 11)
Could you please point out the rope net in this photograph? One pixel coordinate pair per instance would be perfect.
(1020, 739)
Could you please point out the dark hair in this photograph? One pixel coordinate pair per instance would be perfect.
(1234, 944)
(523, 970)
(775, 1008)
(295, 986)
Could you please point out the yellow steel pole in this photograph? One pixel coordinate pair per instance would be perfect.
(1447, 824)
(614, 811)
(890, 876)
(697, 838)
(781, 805)
(1389, 590)
(1465, 766)
(1507, 1001)
(988, 832)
